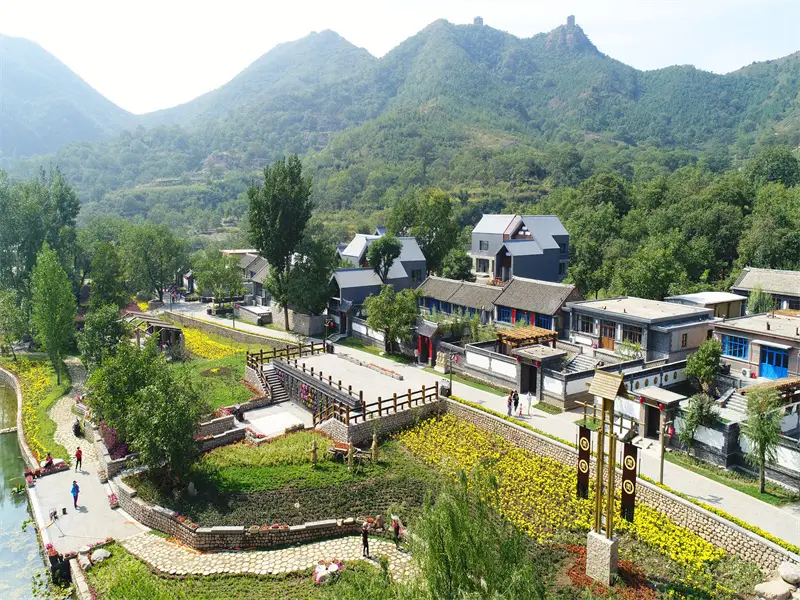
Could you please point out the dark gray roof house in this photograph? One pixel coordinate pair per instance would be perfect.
(536, 302)
(783, 285)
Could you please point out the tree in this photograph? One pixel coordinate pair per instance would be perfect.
(13, 321)
(221, 274)
(650, 272)
(701, 412)
(775, 164)
(762, 430)
(103, 330)
(760, 302)
(392, 313)
(53, 316)
(435, 228)
(606, 188)
(703, 364)
(310, 285)
(382, 253)
(163, 422)
(154, 255)
(457, 264)
(108, 284)
(279, 212)
(404, 214)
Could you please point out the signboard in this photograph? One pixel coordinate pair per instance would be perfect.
(629, 462)
(584, 453)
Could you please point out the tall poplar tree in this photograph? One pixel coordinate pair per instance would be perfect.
(53, 317)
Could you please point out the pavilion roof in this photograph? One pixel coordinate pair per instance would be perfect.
(607, 385)
(784, 384)
(525, 336)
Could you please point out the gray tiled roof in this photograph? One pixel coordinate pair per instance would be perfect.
(356, 277)
(475, 295)
(773, 281)
(246, 259)
(522, 247)
(438, 288)
(542, 297)
(262, 274)
(493, 223)
(411, 250)
(543, 228)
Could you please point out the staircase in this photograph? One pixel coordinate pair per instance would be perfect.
(737, 402)
(276, 390)
(581, 362)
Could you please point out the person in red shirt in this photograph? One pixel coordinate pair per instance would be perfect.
(78, 457)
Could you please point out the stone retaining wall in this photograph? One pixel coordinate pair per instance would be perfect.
(219, 538)
(216, 426)
(27, 455)
(716, 530)
(222, 439)
(113, 466)
(226, 332)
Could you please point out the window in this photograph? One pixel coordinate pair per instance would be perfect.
(585, 324)
(562, 246)
(482, 265)
(735, 347)
(504, 314)
(483, 245)
(416, 275)
(445, 307)
(631, 334)
(684, 340)
(562, 268)
(544, 321)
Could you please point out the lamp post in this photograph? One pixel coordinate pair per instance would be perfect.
(668, 430)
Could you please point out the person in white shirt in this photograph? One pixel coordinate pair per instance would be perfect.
(530, 399)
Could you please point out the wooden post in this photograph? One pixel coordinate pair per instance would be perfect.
(423, 393)
(350, 392)
(395, 402)
(347, 415)
(312, 369)
(330, 382)
(380, 407)
(409, 397)
(437, 390)
(275, 355)
(340, 384)
(363, 405)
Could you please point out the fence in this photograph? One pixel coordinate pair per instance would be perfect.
(379, 408)
(255, 360)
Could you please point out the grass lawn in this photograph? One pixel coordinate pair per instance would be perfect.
(478, 385)
(220, 382)
(776, 495)
(356, 344)
(125, 577)
(548, 408)
(247, 485)
(591, 422)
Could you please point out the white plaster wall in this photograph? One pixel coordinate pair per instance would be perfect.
(551, 385)
(504, 368)
(578, 386)
(627, 407)
(359, 328)
(585, 341)
(478, 360)
(376, 335)
(789, 422)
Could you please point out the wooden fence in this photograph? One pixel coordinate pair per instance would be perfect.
(377, 409)
(255, 360)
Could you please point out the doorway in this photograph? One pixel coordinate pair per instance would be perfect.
(528, 379)
(607, 334)
(774, 363)
(652, 422)
(343, 323)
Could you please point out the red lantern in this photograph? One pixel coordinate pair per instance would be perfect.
(660, 406)
(641, 400)
(671, 431)
(536, 364)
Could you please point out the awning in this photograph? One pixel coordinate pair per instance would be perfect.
(427, 329)
(772, 344)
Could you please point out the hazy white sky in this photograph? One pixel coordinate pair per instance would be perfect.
(146, 55)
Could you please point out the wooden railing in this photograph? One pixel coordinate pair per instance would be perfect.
(257, 359)
(377, 409)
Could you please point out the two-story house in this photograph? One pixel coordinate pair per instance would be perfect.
(765, 346)
(532, 246)
(783, 285)
(627, 325)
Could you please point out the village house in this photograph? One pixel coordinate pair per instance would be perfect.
(630, 326)
(724, 304)
(783, 285)
(763, 346)
(535, 302)
(532, 246)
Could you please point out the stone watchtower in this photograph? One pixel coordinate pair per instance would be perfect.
(571, 21)
(477, 21)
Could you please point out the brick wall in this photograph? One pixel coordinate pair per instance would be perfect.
(226, 332)
(218, 538)
(716, 530)
(215, 426)
(222, 439)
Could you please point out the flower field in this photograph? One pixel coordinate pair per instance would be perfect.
(538, 495)
(201, 344)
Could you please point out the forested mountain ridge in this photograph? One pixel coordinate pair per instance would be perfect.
(44, 105)
(466, 107)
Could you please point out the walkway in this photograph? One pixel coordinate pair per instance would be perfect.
(94, 520)
(173, 559)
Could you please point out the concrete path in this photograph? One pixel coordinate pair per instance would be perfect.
(94, 520)
(171, 558)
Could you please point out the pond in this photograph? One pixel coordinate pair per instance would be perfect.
(19, 550)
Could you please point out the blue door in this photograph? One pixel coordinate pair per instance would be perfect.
(774, 363)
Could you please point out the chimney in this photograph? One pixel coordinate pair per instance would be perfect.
(571, 21)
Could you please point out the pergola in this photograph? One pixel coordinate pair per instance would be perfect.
(786, 387)
(510, 339)
(152, 327)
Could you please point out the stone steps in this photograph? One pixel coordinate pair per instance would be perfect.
(278, 391)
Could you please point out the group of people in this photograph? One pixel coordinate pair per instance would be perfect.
(513, 403)
(396, 527)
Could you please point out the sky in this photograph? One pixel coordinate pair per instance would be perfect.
(147, 55)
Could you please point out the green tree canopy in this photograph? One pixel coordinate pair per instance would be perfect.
(310, 284)
(154, 256)
(220, 274)
(53, 317)
(701, 412)
(279, 212)
(382, 253)
(108, 278)
(457, 264)
(435, 228)
(392, 313)
(775, 164)
(762, 430)
(103, 330)
(760, 302)
(702, 365)
(13, 321)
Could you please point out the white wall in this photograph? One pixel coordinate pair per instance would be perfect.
(788, 458)
(585, 341)
(504, 368)
(359, 328)
(551, 385)
(578, 386)
(478, 360)
(627, 407)
(710, 437)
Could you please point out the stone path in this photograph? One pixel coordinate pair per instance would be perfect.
(174, 559)
(62, 414)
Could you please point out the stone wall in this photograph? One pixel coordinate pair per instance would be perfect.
(219, 538)
(298, 322)
(222, 439)
(27, 455)
(216, 426)
(226, 332)
(716, 530)
(113, 466)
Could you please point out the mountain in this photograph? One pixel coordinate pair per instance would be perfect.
(44, 105)
(467, 107)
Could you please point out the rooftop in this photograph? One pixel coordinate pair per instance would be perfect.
(493, 224)
(705, 298)
(356, 277)
(642, 308)
(659, 394)
(779, 326)
(533, 295)
(539, 352)
(773, 281)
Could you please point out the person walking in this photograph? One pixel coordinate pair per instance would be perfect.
(516, 401)
(365, 540)
(75, 491)
(510, 402)
(78, 457)
(530, 399)
(396, 530)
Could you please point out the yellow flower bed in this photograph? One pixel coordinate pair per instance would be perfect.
(143, 306)
(200, 344)
(537, 493)
(35, 378)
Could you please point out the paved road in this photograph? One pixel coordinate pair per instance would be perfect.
(781, 522)
(94, 520)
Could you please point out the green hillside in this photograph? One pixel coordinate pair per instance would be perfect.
(472, 109)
